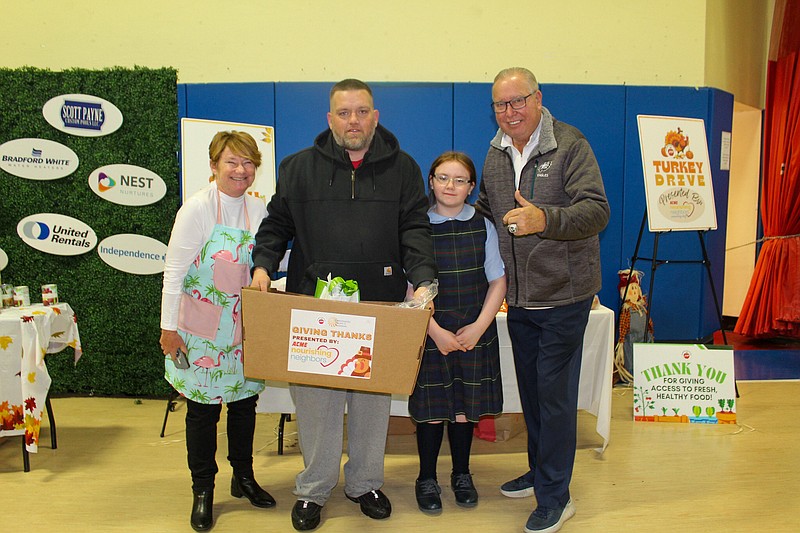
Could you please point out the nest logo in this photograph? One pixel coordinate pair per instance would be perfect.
(83, 115)
(127, 185)
(105, 182)
(56, 234)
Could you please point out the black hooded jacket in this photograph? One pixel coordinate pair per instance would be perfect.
(368, 224)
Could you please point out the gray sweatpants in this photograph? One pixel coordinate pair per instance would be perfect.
(320, 426)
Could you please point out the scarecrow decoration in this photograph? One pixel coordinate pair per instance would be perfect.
(632, 317)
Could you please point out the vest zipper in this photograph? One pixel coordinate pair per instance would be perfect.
(353, 184)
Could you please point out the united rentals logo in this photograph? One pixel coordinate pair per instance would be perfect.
(82, 114)
(37, 159)
(56, 234)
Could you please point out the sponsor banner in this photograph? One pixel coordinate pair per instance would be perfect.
(83, 115)
(127, 185)
(196, 135)
(331, 344)
(37, 159)
(134, 254)
(677, 173)
(56, 234)
(684, 383)
(3, 259)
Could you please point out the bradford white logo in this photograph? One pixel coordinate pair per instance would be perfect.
(37, 159)
(82, 114)
(56, 234)
(134, 254)
(127, 185)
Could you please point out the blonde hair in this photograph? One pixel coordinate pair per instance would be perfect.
(240, 143)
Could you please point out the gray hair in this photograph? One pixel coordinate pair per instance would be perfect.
(521, 72)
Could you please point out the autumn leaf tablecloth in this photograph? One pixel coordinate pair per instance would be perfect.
(27, 334)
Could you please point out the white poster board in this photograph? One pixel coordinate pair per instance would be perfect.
(196, 135)
(677, 174)
(684, 383)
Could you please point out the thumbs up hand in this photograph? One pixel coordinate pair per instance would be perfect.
(525, 219)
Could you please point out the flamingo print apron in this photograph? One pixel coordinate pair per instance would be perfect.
(210, 322)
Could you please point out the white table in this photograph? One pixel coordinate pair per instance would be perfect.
(594, 394)
(26, 335)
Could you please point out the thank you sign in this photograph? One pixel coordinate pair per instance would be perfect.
(686, 383)
(332, 344)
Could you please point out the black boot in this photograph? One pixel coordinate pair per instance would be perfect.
(202, 516)
(247, 486)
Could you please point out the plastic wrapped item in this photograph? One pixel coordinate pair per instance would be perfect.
(337, 289)
(424, 299)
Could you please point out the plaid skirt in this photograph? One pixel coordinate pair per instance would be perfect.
(459, 383)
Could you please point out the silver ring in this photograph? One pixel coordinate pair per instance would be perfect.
(512, 229)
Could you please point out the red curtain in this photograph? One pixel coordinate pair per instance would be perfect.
(772, 305)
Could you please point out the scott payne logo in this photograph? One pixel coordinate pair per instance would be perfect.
(85, 115)
(105, 182)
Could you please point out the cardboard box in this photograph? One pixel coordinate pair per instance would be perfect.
(365, 346)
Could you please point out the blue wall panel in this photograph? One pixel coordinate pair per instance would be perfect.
(473, 123)
(252, 103)
(599, 112)
(429, 118)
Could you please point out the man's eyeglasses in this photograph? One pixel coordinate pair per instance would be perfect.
(442, 179)
(516, 103)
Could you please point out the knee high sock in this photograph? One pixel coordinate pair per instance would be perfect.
(429, 442)
(460, 436)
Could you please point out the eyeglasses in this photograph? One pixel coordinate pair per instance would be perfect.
(457, 182)
(516, 103)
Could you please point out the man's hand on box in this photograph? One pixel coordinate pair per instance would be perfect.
(261, 279)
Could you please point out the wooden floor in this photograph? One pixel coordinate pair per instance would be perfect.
(112, 472)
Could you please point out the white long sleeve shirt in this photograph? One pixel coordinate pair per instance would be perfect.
(193, 226)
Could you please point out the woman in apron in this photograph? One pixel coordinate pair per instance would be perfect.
(208, 262)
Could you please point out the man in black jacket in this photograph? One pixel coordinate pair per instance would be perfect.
(354, 205)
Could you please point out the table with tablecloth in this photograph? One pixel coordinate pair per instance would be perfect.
(595, 389)
(27, 334)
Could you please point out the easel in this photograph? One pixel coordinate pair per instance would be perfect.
(655, 263)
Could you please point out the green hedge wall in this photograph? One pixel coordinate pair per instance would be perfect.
(118, 313)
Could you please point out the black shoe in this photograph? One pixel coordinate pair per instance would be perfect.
(427, 492)
(202, 516)
(464, 489)
(305, 515)
(374, 504)
(247, 486)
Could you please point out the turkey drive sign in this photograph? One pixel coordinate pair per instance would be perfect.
(677, 174)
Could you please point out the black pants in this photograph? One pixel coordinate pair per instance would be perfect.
(547, 346)
(201, 439)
